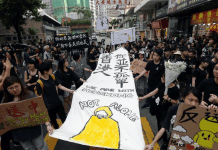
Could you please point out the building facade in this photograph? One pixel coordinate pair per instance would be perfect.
(62, 7)
(49, 7)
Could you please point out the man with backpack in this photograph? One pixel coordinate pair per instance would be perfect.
(46, 87)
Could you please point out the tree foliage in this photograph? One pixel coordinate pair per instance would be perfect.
(114, 22)
(14, 13)
(33, 31)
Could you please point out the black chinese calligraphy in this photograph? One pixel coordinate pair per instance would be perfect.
(190, 115)
(103, 68)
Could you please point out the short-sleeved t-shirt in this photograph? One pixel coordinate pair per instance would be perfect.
(56, 55)
(49, 92)
(170, 117)
(78, 68)
(183, 75)
(208, 86)
(200, 75)
(156, 71)
(210, 68)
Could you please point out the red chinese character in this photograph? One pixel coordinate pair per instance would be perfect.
(97, 2)
(33, 106)
(120, 1)
(103, 2)
(114, 1)
(108, 1)
(125, 2)
(14, 112)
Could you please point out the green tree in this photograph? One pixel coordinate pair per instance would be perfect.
(114, 22)
(14, 13)
(33, 31)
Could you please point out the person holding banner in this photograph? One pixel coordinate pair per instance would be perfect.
(190, 96)
(65, 76)
(46, 87)
(91, 60)
(162, 103)
(28, 137)
(79, 68)
(156, 68)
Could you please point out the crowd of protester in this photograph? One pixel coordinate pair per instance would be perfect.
(50, 73)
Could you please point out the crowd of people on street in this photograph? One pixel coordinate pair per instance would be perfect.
(50, 72)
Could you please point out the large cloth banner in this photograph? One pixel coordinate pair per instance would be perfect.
(76, 41)
(102, 23)
(105, 110)
(195, 128)
(21, 114)
(123, 36)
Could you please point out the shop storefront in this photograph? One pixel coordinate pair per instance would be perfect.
(205, 23)
(160, 27)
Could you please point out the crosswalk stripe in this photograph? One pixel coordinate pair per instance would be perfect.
(51, 142)
(148, 133)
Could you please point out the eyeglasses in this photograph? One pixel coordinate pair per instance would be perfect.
(13, 88)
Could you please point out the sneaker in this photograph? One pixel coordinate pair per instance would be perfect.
(164, 146)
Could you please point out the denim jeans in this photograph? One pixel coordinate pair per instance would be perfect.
(37, 142)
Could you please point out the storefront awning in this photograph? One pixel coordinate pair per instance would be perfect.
(147, 5)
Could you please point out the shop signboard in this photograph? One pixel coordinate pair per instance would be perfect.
(156, 25)
(176, 5)
(210, 16)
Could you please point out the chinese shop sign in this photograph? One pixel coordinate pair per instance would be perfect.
(21, 114)
(205, 17)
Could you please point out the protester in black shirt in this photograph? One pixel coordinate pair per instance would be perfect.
(15, 91)
(167, 56)
(182, 78)
(212, 63)
(91, 60)
(31, 75)
(136, 52)
(56, 55)
(190, 96)
(210, 88)
(200, 73)
(49, 93)
(156, 68)
(65, 76)
(160, 106)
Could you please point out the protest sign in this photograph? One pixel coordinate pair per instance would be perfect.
(195, 128)
(123, 36)
(26, 113)
(105, 111)
(102, 23)
(138, 66)
(76, 41)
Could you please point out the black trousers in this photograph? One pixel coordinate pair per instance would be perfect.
(53, 113)
(6, 140)
(160, 118)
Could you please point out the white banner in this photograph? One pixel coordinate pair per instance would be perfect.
(105, 110)
(122, 36)
(112, 2)
(102, 23)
